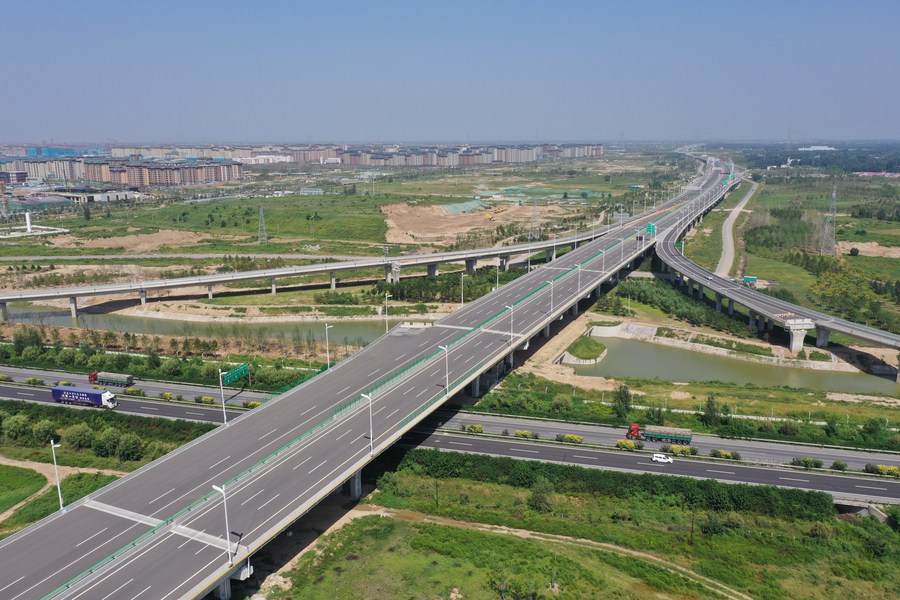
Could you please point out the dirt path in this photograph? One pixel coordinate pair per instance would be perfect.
(46, 470)
(727, 258)
(414, 517)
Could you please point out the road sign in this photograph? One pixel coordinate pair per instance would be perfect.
(235, 374)
(651, 228)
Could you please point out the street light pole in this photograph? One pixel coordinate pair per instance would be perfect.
(371, 427)
(327, 349)
(446, 350)
(550, 281)
(462, 291)
(578, 266)
(53, 447)
(511, 314)
(497, 285)
(221, 490)
(386, 296)
(222, 391)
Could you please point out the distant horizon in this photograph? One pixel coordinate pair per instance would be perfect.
(511, 70)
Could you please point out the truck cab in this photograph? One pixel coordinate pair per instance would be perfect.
(108, 399)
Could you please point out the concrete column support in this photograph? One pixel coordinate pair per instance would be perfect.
(731, 306)
(387, 273)
(545, 332)
(355, 482)
(598, 290)
(821, 337)
(471, 263)
(143, 296)
(272, 281)
(476, 387)
(575, 245)
(553, 254)
(700, 290)
(4, 312)
(222, 590)
(752, 319)
(510, 360)
(770, 325)
(718, 302)
(574, 310)
(73, 306)
(333, 280)
(797, 336)
(433, 270)
(761, 323)
(504, 263)
(209, 293)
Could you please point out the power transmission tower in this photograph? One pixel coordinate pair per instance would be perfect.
(534, 234)
(828, 241)
(263, 236)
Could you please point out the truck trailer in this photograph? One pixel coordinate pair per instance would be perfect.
(66, 394)
(654, 433)
(110, 379)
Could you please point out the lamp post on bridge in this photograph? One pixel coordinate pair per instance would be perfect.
(462, 291)
(53, 447)
(578, 266)
(386, 296)
(371, 427)
(550, 281)
(327, 350)
(446, 350)
(511, 314)
(221, 490)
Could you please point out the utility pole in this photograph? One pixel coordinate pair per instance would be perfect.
(263, 236)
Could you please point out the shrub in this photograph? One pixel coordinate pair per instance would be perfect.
(79, 436)
(889, 470)
(541, 490)
(475, 428)
(570, 438)
(107, 443)
(626, 445)
(198, 399)
(131, 447)
(665, 448)
(893, 517)
(43, 431)
(838, 465)
(522, 433)
(17, 429)
(5, 377)
(712, 526)
(806, 462)
(155, 449)
(133, 391)
(678, 450)
(721, 454)
(505, 432)
(33, 381)
(788, 428)
(167, 396)
(251, 403)
(63, 382)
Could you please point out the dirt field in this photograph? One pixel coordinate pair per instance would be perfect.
(869, 249)
(416, 224)
(142, 242)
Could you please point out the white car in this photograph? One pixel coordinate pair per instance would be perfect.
(662, 458)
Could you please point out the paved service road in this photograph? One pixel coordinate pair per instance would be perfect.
(874, 489)
(727, 258)
(753, 450)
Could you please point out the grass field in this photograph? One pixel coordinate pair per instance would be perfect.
(765, 557)
(380, 557)
(74, 487)
(16, 484)
(586, 348)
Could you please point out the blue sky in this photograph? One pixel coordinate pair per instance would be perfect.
(346, 71)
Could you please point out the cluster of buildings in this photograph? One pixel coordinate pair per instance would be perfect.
(146, 166)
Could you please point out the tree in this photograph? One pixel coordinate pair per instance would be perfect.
(711, 415)
(153, 360)
(79, 436)
(540, 495)
(655, 415)
(107, 443)
(25, 337)
(43, 431)
(561, 404)
(87, 213)
(565, 195)
(622, 400)
(17, 428)
(854, 251)
(131, 447)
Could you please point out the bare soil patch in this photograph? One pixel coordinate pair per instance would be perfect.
(139, 242)
(409, 224)
(856, 398)
(869, 249)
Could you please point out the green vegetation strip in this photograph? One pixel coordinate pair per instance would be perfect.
(74, 487)
(16, 484)
(586, 348)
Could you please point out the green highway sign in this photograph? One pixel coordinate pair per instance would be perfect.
(651, 228)
(235, 374)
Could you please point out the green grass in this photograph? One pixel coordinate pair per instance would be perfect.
(16, 484)
(586, 348)
(377, 557)
(765, 557)
(789, 277)
(74, 487)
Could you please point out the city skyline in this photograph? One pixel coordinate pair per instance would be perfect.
(503, 72)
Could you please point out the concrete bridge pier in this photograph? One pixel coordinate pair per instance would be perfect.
(355, 483)
(476, 387)
(504, 263)
(545, 332)
(243, 571)
(718, 302)
(574, 309)
(690, 288)
(223, 589)
(797, 336)
(761, 323)
(471, 263)
(552, 254)
(387, 273)
(731, 306)
(752, 318)
(272, 282)
(143, 296)
(73, 306)
(433, 270)
(4, 312)
(700, 291)
(821, 337)
(332, 280)
(770, 325)
(209, 293)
